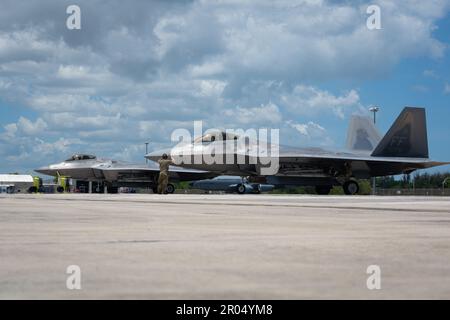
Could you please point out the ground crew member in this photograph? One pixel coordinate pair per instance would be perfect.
(163, 178)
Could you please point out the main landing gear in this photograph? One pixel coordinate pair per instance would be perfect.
(350, 187)
(169, 189)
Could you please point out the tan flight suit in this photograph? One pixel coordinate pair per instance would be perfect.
(163, 178)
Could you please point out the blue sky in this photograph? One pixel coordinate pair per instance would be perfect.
(137, 71)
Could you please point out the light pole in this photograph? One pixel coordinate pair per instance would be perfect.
(146, 151)
(374, 109)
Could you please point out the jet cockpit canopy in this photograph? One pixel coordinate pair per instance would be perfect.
(78, 157)
(215, 136)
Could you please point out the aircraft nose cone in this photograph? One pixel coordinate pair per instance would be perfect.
(44, 170)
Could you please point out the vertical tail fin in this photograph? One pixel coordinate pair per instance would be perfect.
(362, 135)
(407, 137)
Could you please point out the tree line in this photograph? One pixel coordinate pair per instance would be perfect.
(417, 180)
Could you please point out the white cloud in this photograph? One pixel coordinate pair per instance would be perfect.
(60, 146)
(308, 129)
(69, 121)
(308, 134)
(31, 128)
(10, 130)
(268, 114)
(309, 100)
(212, 87)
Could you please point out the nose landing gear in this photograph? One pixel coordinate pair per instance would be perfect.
(170, 188)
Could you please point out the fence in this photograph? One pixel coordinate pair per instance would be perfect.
(413, 192)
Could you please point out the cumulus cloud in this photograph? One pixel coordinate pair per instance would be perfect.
(29, 127)
(308, 129)
(268, 114)
(311, 133)
(139, 69)
(307, 99)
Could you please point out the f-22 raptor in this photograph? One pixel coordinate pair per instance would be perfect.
(402, 150)
(114, 174)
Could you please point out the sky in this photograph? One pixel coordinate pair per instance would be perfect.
(137, 70)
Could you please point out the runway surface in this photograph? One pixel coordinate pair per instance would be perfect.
(224, 246)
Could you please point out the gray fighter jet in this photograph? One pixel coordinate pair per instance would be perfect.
(114, 174)
(402, 150)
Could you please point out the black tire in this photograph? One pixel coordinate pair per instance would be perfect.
(170, 188)
(240, 189)
(351, 187)
(32, 189)
(256, 188)
(323, 190)
(60, 189)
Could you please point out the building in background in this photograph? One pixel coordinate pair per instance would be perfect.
(15, 183)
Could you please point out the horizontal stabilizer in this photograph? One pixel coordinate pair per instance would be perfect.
(407, 137)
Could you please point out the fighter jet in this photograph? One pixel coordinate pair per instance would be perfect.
(402, 150)
(114, 174)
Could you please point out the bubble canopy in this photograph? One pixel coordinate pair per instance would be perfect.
(78, 157)
(216, 136)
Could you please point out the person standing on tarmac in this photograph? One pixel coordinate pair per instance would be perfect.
(163, 178)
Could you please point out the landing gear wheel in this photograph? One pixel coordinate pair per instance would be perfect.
(351, 187)
(323, 190)
(256, 188)
(60, 189)
(241, 189)
(170, 188)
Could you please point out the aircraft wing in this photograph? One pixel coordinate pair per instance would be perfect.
(301, 156)
(135, 172)
(303, 160)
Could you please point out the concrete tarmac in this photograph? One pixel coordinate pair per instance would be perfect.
(224, 246)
